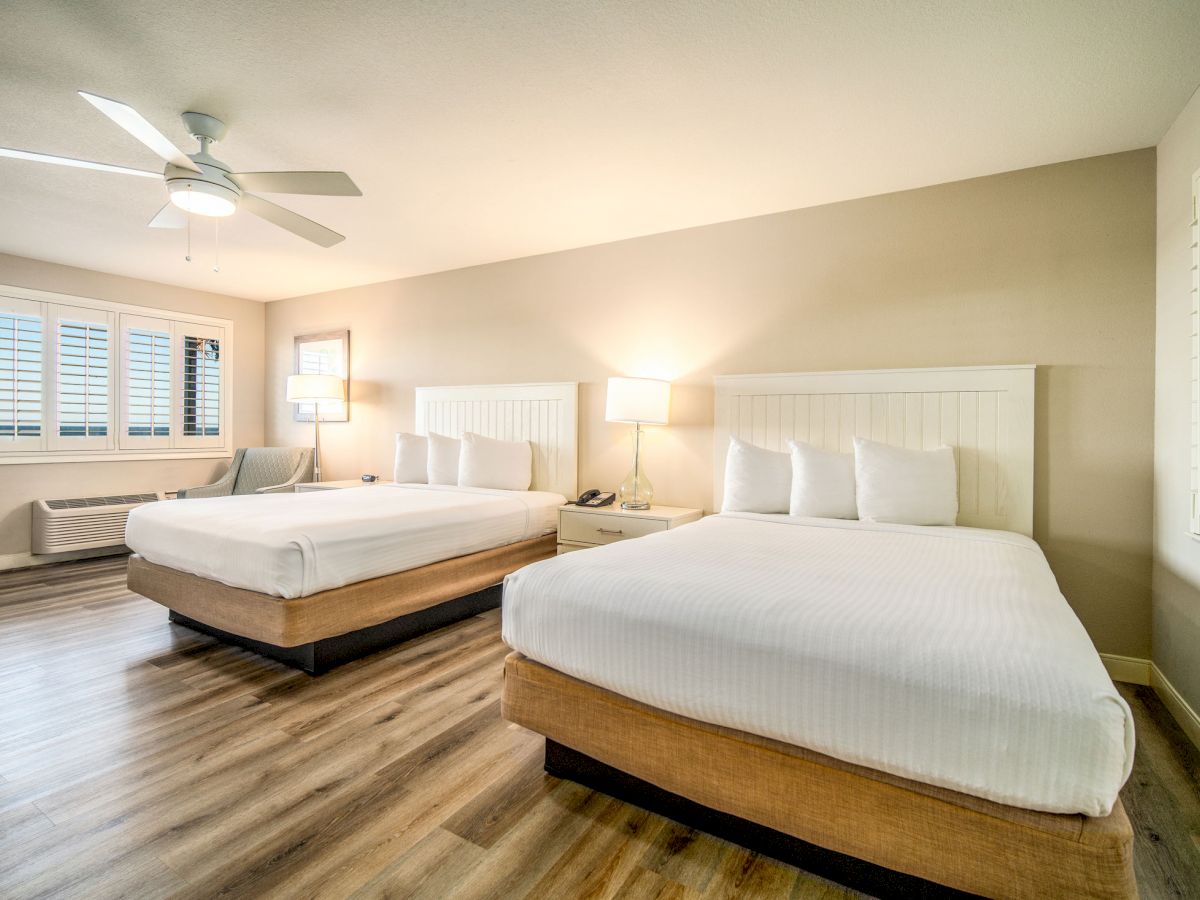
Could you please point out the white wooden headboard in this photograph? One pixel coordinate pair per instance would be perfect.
(984, 412)
(546, 415)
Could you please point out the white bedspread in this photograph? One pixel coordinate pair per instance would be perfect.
(293, 545)
(944, 655)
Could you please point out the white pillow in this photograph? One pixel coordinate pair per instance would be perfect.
(822, 483)
(912, 487)
(443, 459)
(756, 480)
(412, 459)
(489, 463)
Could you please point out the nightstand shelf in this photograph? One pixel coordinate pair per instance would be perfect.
(580, 527)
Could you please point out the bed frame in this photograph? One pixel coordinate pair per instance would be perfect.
(329, 628)
(885, 835)
(324, 630)
(868, 830)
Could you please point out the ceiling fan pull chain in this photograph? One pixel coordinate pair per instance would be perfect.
(216, 245)
(189, 239)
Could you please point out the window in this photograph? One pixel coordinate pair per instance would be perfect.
(20, 374)
(89, 379)
(201, 385)
(82, 383)
(147, 381)
(149, 399)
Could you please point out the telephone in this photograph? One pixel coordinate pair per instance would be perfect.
(594, 498)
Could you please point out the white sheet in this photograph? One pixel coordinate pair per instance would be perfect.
(946, 655)
(293, 545)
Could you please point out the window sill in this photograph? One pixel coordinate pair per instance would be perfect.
(44, 457)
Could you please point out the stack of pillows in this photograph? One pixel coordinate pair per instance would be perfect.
(877, 483)
(473, 461)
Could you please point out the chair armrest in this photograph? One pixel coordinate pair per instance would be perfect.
(216, 489)
(286, 488)
(302, 473)
(222, 487)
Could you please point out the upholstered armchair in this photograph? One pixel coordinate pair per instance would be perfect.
(259, 470)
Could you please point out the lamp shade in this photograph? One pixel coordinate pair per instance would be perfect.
(313, 388)
(645, 400)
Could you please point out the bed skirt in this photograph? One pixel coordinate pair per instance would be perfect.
(941, 836)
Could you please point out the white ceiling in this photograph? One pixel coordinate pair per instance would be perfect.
(481, 131)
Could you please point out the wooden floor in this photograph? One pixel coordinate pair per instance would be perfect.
(139, 759)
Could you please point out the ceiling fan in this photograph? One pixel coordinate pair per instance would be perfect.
(200, 183)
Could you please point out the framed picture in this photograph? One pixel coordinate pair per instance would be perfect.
(326, 353)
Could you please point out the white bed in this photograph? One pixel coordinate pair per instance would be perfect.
(295, 545)
(944, 655)
(919, 698)
(298, 545)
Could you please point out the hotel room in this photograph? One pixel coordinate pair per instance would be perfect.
(661, 450)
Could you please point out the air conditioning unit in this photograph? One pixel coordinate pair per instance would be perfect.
(84, 523)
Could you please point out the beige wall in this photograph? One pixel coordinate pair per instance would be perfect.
(1053, 266)
(19, 484)
(1176, 553)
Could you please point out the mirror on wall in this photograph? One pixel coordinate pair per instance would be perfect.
(325, 353)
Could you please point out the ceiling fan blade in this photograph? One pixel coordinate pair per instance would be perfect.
(131, 120)
(290, 221)
(330, 184)
(77, 163)
(170, 216)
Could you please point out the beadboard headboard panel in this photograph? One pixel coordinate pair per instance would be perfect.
(985, 413)
(546, 415)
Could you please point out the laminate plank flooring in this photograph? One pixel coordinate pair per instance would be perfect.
(141, 759)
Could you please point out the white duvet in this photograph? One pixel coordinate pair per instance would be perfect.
(944, 655)
(293, 545)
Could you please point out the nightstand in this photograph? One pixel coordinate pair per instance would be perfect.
(338, 485)
(580, 527)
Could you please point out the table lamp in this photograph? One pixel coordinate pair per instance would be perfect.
(315, 389)
(638, 401)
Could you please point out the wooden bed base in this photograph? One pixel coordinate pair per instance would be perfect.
(563, 762)
(857, 825)
(331, 627)
(318, 657)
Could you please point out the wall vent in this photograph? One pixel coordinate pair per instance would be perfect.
(84, 523)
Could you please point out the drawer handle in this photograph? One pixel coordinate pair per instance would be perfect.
(610, 531)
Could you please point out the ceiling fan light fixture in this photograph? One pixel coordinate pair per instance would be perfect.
(200, 184)
(203, 198)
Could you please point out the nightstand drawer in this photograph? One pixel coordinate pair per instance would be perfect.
(582, 528)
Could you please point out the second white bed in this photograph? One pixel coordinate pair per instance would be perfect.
(945, 655)
(294, 545)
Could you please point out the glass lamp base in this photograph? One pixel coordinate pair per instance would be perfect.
(636, 491)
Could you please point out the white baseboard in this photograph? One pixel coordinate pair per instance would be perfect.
(27, 560)
(1142, 671)
(1187, 718)
(1129, 669)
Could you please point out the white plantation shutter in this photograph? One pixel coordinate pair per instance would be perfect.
(84, 386)
(82, 379)
(146, 380)
(202, 384)
(20, 374)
